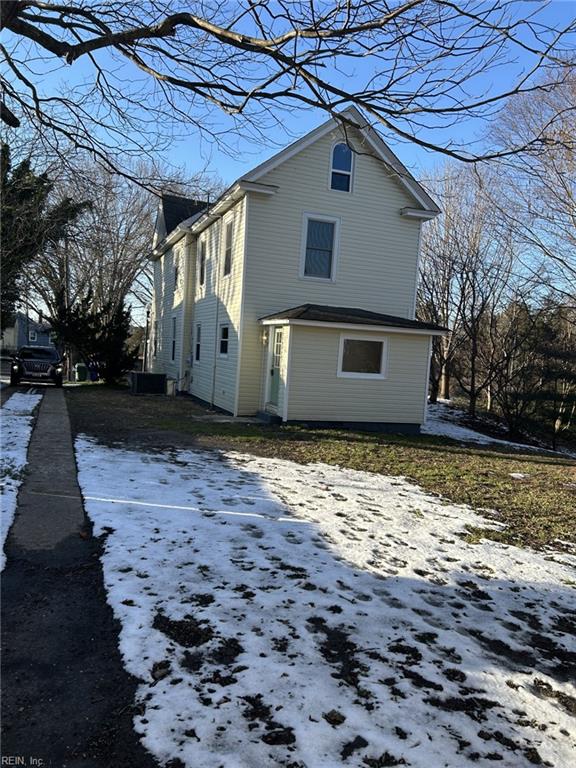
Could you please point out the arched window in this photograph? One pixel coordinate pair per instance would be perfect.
(341, 171)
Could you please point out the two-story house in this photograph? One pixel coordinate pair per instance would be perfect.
(294, 293)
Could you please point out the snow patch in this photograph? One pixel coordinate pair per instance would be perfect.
(17, 423)
(336, 618)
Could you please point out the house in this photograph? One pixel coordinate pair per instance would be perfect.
(26, 332)
(293, 295)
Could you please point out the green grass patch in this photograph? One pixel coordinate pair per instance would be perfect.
(537, 509)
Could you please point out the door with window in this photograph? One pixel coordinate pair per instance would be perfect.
(275, 363)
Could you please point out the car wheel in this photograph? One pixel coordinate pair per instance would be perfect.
(14, 380)
(58, 381)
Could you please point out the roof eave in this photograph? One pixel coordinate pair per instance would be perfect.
(354, 326)
(419, 213)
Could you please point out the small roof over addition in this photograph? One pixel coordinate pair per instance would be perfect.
(315, 314)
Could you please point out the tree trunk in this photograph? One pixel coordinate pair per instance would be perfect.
(445, 382)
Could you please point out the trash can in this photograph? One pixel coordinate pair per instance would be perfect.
(80, 372)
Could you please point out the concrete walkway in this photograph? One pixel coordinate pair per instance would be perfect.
(66, 698)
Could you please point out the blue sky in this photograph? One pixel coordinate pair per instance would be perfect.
(194, 154)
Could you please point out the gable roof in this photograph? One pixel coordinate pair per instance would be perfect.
(319, 313)
(354, 118)
(205, 214)
(175, 209)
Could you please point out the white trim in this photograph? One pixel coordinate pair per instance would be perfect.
(289, 335)
(308, 216)
(260, 189)
(268, 405)
(173, 339)
(202, 246)
(417, 276)
(229, 198)
(291, 150)
(343, 173)
(383, 360)
(223, 355)
(242, 296)
(229, 220)
(416, 213)
(353, 116)
(268, 357)
(427, 384)
(355, 326)
(197, 343)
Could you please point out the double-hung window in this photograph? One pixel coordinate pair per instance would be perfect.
(320, 241)
(341, 169)
(198, 341)
(228, 237)
(224, 339)
(176, 270)
(362, 357)
(173, 339)
(202, 262)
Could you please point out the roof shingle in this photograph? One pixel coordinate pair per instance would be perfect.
(319, 313)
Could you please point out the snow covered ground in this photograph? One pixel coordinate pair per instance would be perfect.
(17, 421)
(309, 616)
(443, 420)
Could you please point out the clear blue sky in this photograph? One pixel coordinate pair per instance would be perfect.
(194, 154)
(188, 152)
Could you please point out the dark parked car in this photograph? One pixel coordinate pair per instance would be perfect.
(37, 364)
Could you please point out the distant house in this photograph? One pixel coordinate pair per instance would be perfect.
(293, 296)
(26, 332)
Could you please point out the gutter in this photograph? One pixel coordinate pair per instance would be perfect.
(199, 222)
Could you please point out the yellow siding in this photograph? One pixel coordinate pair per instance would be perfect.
(213, 378)
(377, 259)
(316, 393)
(169, 304)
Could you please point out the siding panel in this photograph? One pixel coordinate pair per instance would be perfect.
(377, 259)
(317, 393)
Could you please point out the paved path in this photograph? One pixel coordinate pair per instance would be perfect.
(66, 698)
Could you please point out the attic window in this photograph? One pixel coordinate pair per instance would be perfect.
(341, 171)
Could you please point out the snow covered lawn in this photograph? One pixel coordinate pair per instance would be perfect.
(310, 616)
(17, 422)
(443, 420)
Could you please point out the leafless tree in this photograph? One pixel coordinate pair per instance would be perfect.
(440, 300)
(466, 278)
(536, 197)
(107, 251)
(152, 68)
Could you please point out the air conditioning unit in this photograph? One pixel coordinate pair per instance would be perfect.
(148, 383)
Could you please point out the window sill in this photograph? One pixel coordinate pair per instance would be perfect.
(365, 376)
(317, 279)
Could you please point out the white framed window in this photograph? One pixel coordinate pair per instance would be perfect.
(198, 341)
(173, 339)
(320, 238)
(32, 335)
(228, 240)
(176, 270)
(202, 262)
(223, 340)
(362, 357)
(341, 168)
